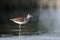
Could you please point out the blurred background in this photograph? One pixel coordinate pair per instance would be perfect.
(46, 16)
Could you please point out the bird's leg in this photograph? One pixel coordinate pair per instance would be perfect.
(20, 30)
(20, 27)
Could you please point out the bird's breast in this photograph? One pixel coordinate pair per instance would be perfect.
(24, 22)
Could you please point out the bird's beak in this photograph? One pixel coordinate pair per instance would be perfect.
(31, 16)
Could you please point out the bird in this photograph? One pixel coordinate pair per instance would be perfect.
(21, 20)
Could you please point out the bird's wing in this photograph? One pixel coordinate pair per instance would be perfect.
(20, 19)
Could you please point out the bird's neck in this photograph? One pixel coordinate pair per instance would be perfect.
(26, 18)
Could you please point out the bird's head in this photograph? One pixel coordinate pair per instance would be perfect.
(29, 16)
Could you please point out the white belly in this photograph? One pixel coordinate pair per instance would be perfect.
(24, 22)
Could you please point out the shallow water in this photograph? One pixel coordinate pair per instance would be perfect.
(50, 18)
(45, 21)
(10, 28)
